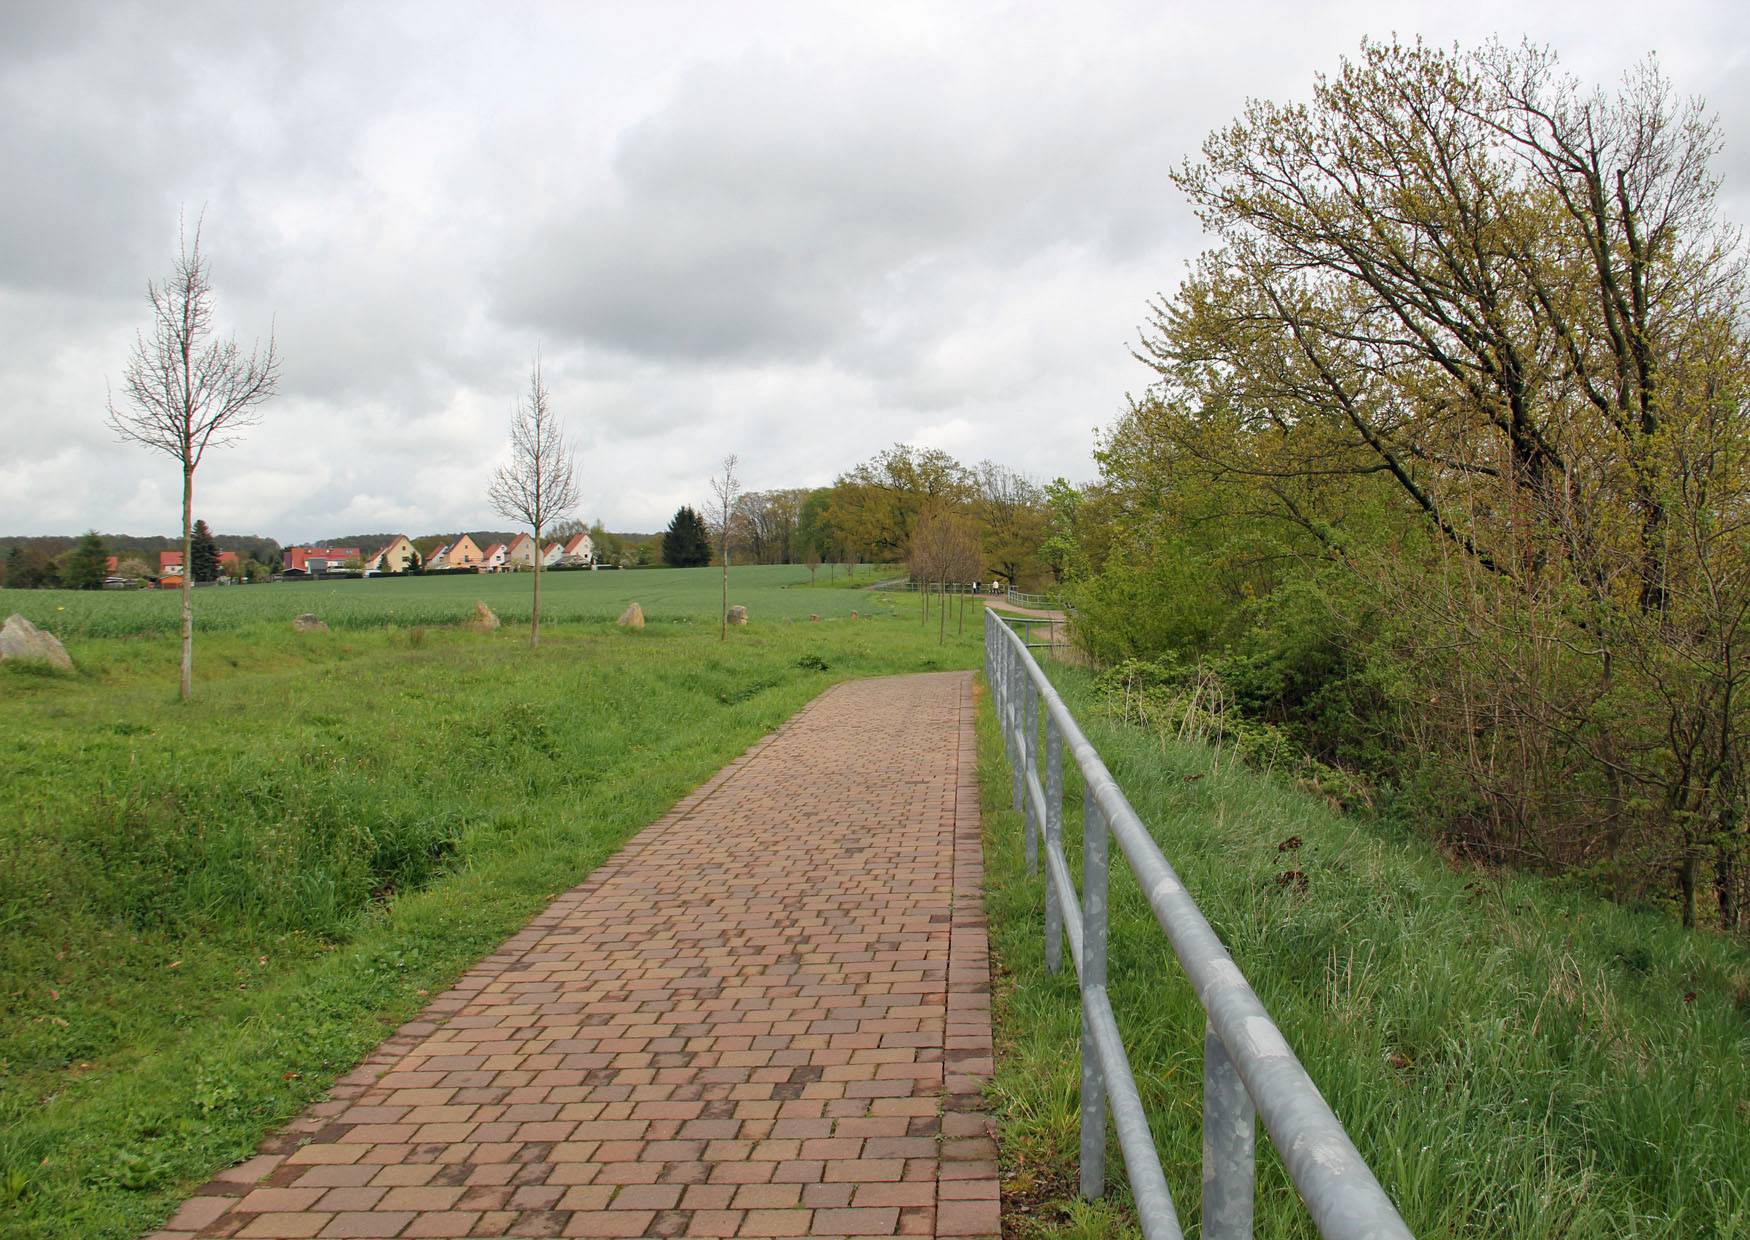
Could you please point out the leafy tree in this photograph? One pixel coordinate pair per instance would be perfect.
(30, 568)
(204, 554)
(876, 504)
(686, 543)
(87, 564)
(1469, 365)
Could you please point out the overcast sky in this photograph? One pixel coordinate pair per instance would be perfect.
(796, 232)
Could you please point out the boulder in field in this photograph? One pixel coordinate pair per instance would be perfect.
(632, 617)
(309, 622)
(483, 620)
(23, 642)
(738, 614)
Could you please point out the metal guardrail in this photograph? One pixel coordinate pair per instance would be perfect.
(1248, 1069)
(1038, 602)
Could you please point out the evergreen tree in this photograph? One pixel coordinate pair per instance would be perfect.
(204, 554)
(686, 543)
(86, 565)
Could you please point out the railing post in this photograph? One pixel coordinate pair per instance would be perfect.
(1230, 1139)
(1054, 912)
(1094, 861)
(1030, 763)
(1017, 756)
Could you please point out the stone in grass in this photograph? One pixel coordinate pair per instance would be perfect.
(813, 619)
(309, 622)
(484, 621)
(738, 614)
(632, 617)
(23, 642)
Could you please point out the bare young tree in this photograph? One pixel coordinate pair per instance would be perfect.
(539, 485)
(725, 489)
(187, 391)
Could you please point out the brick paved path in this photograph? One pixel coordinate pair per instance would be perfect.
(767, 1016)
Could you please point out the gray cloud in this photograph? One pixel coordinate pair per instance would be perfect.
(798, 231)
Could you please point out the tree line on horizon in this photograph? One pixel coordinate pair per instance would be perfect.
(872, 514)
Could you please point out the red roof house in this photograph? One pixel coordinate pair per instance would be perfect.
(317, 559)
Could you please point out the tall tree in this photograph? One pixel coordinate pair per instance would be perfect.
(1012, 515)
(187, 390)
(86, 565)
(204, 554)
(1477, 333)
(686, 543)
(725, 490)
(539, 484)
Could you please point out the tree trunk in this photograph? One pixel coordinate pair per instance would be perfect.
(535, 618)
(723, 636)
(942, 607)
(1686, 884)
(187, 685)
(961, 632)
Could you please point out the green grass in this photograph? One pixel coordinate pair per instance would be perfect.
(1511, 1057)
(209, 911)
(667, 595)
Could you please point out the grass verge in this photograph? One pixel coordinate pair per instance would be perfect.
(1513, 1058)
(208, 911)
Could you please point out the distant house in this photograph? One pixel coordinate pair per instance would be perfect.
(318, 560)
(551, 555)
(493, 558)
(464, 553)
(520, 553)
(170, 569)
(579, 550)
(394, 558)
(439, 558)
(231, 565)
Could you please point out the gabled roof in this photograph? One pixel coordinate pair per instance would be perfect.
(390, 546)
(494, 549)
(519, 540)
(169, 559)
(577, 540)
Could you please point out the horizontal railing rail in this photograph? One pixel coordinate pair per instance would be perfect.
(1038, 602)
(1249, 1071)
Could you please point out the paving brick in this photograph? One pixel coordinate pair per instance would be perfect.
(768, 1015)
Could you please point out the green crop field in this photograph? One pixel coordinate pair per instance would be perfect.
(1513, 1058)
(667, 595)
(209, 910)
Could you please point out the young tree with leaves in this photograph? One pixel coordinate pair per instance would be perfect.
(187, 391)
(539, 484)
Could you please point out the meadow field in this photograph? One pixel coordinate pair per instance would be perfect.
(667, 595)
(1513, 1057)
(210, 910)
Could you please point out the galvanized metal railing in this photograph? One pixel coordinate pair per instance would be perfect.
(1038, 602)
(1248, 1069)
